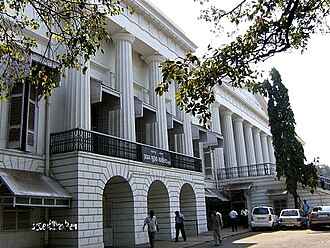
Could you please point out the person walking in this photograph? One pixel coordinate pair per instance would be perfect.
(245, 217)
(305, 208)
(233, 220)
(216, 225)
(151, 222)
(179, 226)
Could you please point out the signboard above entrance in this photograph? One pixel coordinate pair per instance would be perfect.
(154, 156)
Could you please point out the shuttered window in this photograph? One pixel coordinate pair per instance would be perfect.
(23, 113)
(22, 117)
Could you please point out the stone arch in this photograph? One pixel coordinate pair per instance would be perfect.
(159, 201)
(118, 213)
(189, 209)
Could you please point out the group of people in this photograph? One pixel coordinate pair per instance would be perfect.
(216, 224)
(151, 222)
(215, 221)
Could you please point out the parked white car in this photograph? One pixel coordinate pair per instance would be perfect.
(292, 218)
(263, 217)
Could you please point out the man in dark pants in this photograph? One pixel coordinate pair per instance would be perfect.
(179, 226)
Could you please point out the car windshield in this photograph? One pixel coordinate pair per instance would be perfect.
(260, 211)
(321, 208)
(289, 213)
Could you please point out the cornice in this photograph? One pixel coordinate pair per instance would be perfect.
(236, 100)
(163, 22)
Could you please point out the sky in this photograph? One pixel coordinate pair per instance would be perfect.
(305, 75)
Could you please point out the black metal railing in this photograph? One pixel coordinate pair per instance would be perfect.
(247, 171)
(89, 141)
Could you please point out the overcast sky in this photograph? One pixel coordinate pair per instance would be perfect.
(305, 76)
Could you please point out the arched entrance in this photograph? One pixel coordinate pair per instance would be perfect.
(188, 209)
(118, 213)
(158, 200)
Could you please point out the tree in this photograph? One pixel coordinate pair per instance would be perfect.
(267, 28)
(289, 152)
(74, 30)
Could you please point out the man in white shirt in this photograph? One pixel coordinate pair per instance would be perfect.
(152, 223)
(233, 219)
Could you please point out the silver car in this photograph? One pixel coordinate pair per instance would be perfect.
(263, 217)
(292, 218)
(320, 216)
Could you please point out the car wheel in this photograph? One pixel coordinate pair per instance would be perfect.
(253, 229)
(313, 227)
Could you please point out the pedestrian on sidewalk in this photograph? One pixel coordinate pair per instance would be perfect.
(306, 208)
(151, 222)
(179, 226)
(216, 225)
(233, 220)
(245, 217)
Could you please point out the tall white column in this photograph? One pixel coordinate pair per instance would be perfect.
(250, 153)
(216, 127)
(229, 141)
(160, 129)
(257, 146)
(188, 145)
(264, 145)
(4, 108)
(258, 151)
(271, 149)
(240, 144)
(78, 111)
(218, 152)
(124, 79)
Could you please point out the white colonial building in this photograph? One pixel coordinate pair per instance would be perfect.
(103, 150)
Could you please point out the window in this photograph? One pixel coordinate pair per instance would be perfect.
(279, 205)
(22, 117)
(17, 218)
(23, 113)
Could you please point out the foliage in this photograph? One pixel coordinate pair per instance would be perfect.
(74, 30)
(270, 27)
(289, 152)
(323, 170)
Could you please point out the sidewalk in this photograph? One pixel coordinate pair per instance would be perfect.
(193, 240)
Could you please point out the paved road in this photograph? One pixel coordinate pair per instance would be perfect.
(276, 239)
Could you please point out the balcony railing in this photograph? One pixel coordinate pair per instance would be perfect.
(89, 141)
(247, 171)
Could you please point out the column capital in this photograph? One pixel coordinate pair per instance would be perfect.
(256, 130)
(226, 112)
(247, 124)
(238, 119)
(215, 105)
(157, 57)
(263, 134)
(123, 36)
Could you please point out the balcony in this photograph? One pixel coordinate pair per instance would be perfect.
(247, 171)
(89, 141)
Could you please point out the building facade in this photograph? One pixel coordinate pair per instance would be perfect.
(92, 160)
(83, 167)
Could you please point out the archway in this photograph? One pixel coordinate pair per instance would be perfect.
(158, 200)
(188, 208)
(118, 213)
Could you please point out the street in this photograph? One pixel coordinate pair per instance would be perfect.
(281, 238)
